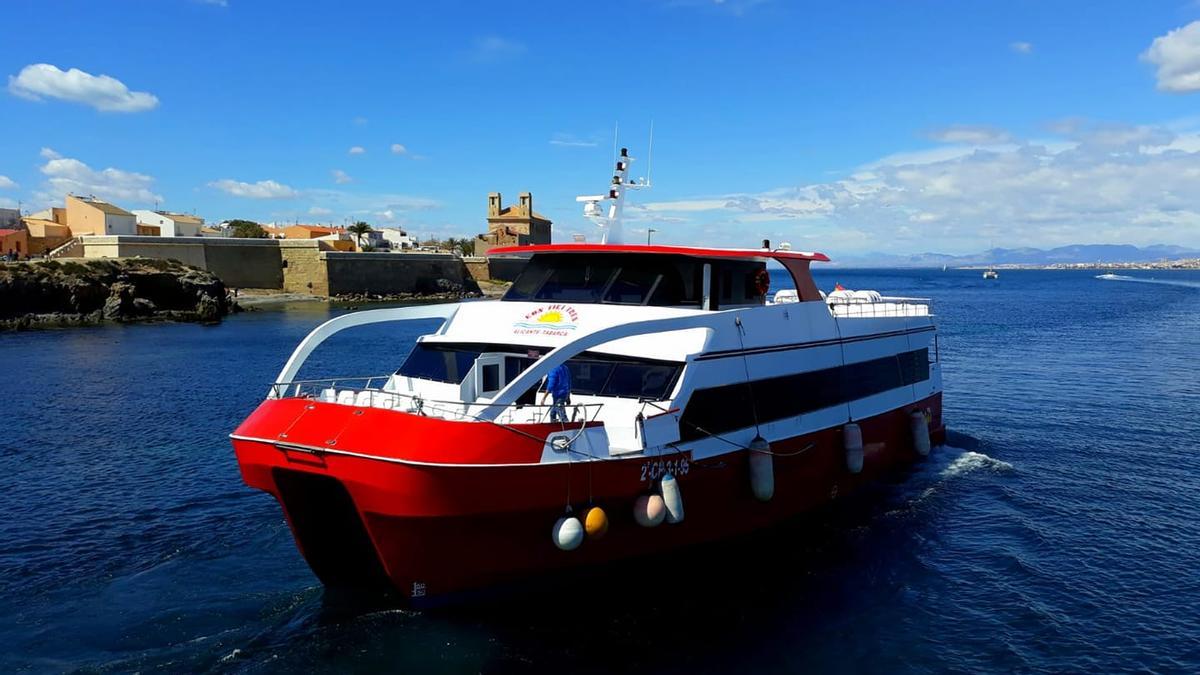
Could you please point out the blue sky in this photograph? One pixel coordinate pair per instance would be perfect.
(844, 127)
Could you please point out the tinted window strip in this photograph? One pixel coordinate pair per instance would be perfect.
(735, 406)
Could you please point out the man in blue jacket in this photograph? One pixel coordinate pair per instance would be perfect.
(558, 386)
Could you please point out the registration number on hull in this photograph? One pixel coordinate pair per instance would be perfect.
(676, 465)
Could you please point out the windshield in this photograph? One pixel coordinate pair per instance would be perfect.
(664, 281)
(591, 374)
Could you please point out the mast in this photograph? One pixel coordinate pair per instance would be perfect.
(609, 219)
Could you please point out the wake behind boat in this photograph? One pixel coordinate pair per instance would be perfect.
(689, 384)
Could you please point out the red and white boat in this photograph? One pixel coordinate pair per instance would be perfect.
(702, 407)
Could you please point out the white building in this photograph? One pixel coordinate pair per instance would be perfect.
(170, 224)
(395, 239)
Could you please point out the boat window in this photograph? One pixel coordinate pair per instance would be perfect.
(625, 279)
(638, 380)
(740, 405)
(490, 377)
(577, 283)
(622, 379)
(514, 366)
(591, 373)
(735, 282)
(588, 377)
(429, 362)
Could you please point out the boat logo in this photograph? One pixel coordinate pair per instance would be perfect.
(547, 320)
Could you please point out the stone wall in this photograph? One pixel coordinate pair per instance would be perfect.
(304, 271)
(41, 245)
(239, 263)
(189, 251)
(505, 269)
(297, 266)
(394, 273)
(244, 263)
(477, 267)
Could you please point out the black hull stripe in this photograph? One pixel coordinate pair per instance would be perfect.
(724, 354)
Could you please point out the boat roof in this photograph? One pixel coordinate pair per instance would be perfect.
(746, 253)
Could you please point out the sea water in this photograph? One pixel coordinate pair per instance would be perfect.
(1059, 530)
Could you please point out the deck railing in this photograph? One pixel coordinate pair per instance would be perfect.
(369, 392)
(856, 307)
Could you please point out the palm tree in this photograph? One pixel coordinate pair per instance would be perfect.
(359, 229)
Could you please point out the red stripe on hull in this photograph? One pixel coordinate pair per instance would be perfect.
(446, 529)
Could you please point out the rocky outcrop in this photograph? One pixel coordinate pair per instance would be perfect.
(81, 292)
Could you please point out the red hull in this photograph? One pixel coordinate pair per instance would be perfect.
(446, 507)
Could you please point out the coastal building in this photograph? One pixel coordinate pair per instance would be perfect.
(53, 214)
(14, 242)
(396, 239)
(516, 225)
(309, 231)
(45, 235)
(334, 238)
(373, 239)
(169, 224)
(10, 218)
(92, 216)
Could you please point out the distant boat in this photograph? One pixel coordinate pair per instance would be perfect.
(943, 268)
(991, 273)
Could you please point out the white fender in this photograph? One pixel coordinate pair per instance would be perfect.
(762, 469)
(672, 498)
(852, 439)
(567, 533)
(920, 433)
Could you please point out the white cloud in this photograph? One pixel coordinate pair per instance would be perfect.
(360, 121)
(341, 177)
(570, 141)
(42, 80)
(1114, 184)
(1177, 55)
(7, 183)
(687, 205)
(398, 149)
(319, 211)
(366, 205)
(1021, 47)
(930, 156)
(49, 153)
(215, 3)
(6, 203)
(973, 134)
(64, 174)
(357, 150)
(494, 48)
(263, 189)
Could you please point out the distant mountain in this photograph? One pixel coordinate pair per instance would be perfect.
(1075, 253)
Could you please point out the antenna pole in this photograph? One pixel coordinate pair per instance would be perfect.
(616, 128)
(650, 156)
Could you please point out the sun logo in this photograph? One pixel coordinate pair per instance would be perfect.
(547, 320)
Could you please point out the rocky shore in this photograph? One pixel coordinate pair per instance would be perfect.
(75, 292)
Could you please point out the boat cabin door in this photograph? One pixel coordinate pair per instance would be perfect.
(489, 375)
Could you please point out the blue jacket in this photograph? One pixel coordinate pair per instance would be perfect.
(558, 383)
